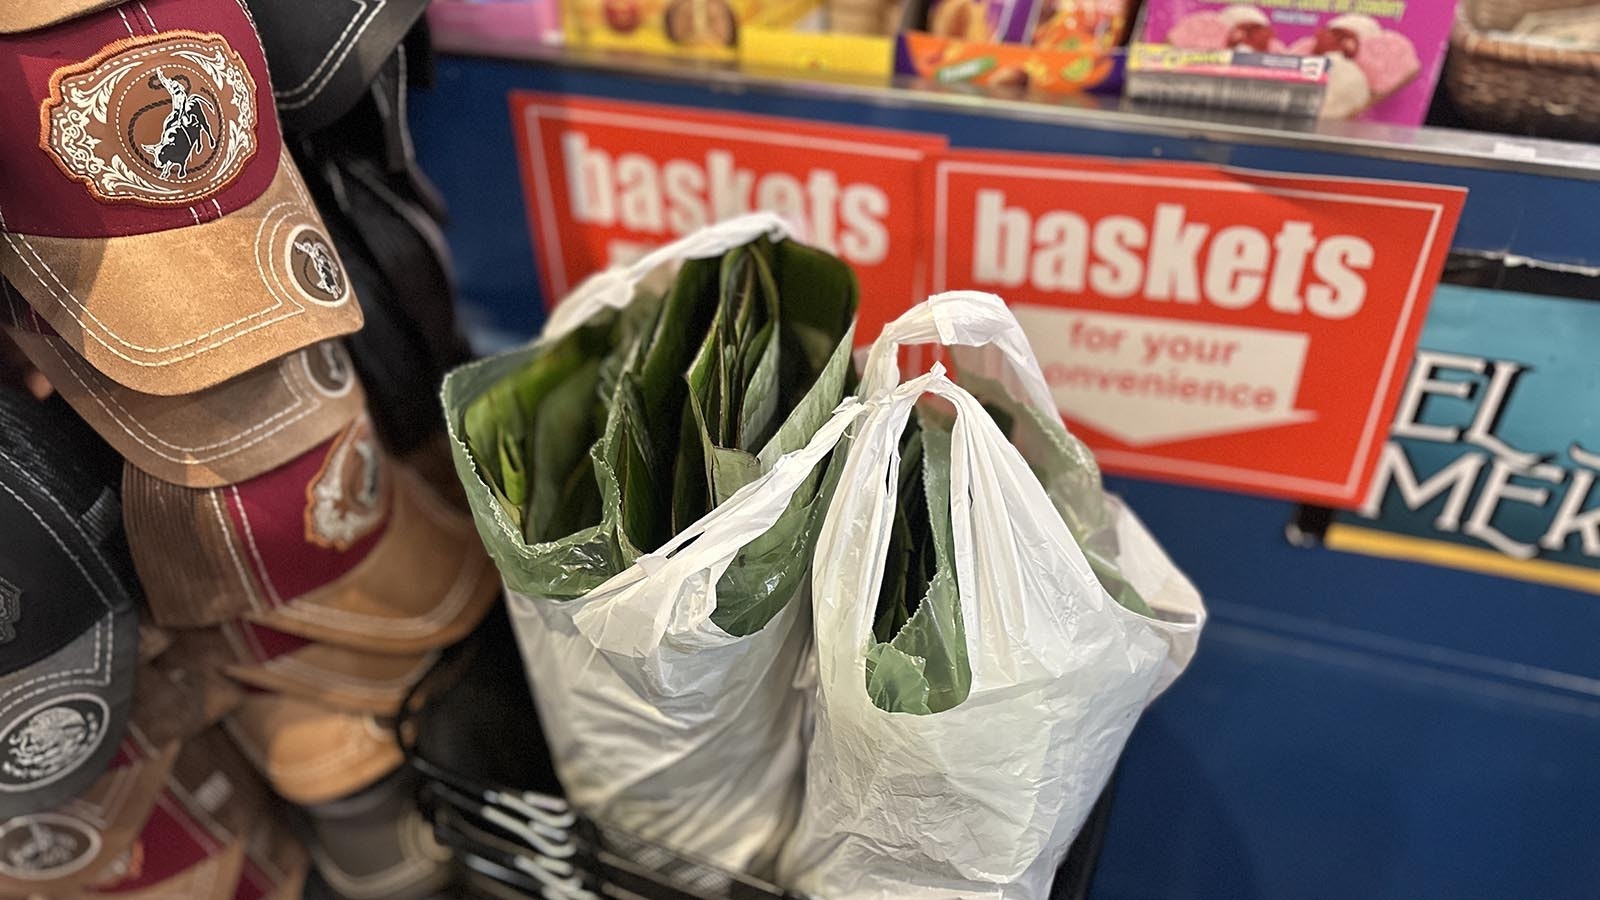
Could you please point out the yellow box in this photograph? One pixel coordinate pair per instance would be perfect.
(702, 29)
(859, 56)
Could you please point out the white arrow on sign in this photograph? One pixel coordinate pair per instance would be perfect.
(1147, 381)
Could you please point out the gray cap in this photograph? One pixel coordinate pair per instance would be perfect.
(69, 630)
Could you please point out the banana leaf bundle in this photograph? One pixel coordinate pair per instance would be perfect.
(919, 662)
(585, 452)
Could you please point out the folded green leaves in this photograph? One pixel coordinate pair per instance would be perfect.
(919, 664)
(587, 451)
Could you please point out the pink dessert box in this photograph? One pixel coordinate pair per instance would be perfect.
(1386, 54)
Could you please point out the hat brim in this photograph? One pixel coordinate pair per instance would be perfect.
(311, 754)
(426, 583)
(19, 17)
(219, 436)
(177, 311)
(73, 706)
(423, 583)
(339, 677)
(323, 65)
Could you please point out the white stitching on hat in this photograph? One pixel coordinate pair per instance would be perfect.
(442, 613)
(99, 676)
(277, 290)
(147, 15)
(445, 611)
(208, 842)
(243, 641)
(414, 863)
(125, 23)
(342, 46)
(12, 238)
(289, 664)
(27, 476)
(197, 810)
(193, 454)
(251, 592)
(100, 673)
(405, 132)
(265, 577)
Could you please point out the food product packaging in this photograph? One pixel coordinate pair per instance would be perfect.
(1041, 45)
(1382, 57)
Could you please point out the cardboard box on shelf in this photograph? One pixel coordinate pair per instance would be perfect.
(1044, 45)
(1382, 56)
(825, 55)
(466, 23)
(700, 29)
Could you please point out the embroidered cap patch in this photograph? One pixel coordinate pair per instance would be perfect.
(45, 846)
(163, 120)
(348, 498)
(52, 740)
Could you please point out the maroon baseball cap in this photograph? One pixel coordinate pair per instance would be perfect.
(340, 545)
(177, 855)
(211, 834)
(156, 220)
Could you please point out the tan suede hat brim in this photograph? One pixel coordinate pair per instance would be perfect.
(309, 753)
(177, 311)
(355, 681)
(219, 436)
(26, 15)
(339, 677)
(426, 584)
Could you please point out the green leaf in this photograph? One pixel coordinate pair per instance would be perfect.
(759, 404)
(513, 474)
(895, 681)
(643, 512)
(934, 632)
(563, 432)
(685, 319)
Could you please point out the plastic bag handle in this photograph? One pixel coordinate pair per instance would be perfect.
(961, 319)
(614, 288)
(708, 546)
(981, 453)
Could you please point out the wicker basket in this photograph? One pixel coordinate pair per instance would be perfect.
(1507, 85)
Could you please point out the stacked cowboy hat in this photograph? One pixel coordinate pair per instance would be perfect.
(168, 271)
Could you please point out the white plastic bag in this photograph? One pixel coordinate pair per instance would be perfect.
(658, 721)
(983, 799)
